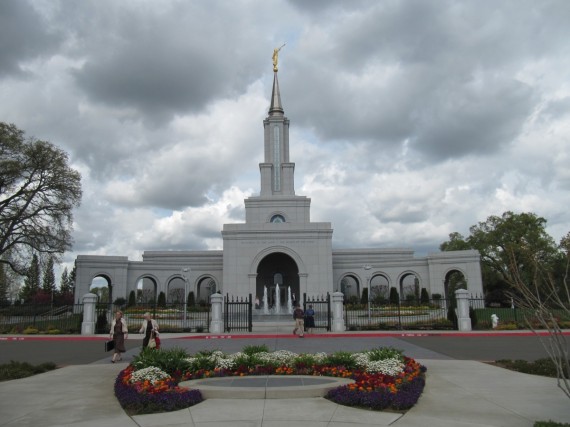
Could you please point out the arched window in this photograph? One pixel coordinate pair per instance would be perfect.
(277, 219)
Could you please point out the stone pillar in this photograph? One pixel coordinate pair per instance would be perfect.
(88, 324)
(217, 322)
(338, 312)
(463, 319)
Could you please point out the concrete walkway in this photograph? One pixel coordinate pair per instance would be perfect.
(459, 393)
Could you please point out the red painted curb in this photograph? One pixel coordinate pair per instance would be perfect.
(307, 336)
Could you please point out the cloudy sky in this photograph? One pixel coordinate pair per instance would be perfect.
(409, 119)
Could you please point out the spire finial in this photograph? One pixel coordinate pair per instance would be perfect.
(276, 56)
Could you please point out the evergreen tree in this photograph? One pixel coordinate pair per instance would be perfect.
(394, 296)
(161, 300)
(364, 296)
(191, 302)
(32, 280)
(48, 281)
(424, 298)
(65, 289)
(132, 299)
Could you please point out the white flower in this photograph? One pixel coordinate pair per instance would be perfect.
(151, 374)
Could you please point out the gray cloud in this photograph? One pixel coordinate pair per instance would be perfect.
(409, 120)
(24, 36)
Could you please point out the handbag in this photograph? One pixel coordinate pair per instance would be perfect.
(152, 343)
(109, 345)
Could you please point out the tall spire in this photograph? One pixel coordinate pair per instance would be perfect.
(275, 107)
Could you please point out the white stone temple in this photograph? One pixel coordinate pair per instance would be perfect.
(278, 246)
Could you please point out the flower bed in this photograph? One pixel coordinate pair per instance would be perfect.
(384, 378)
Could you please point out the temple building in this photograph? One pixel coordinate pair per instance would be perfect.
(278, 246)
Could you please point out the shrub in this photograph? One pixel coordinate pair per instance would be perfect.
(383, 353)
(30, 330)
(341, 358)
(364, 297)
(16, 370)
(191, 301)
(253, 349)
(171, 360)
(161, 300)
(473, 317)
(132, 299)
(394, 296)
(424, 297)
(120, 301)
(544, 367)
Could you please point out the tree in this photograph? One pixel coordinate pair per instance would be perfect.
(4, 287)
(132, 299)
(65, 288)
(32, 280)
(161, 299)
(48, 280)
(364, 296)
(424, 298)
(394, 297)
(498, 239)
(547, 297)
(38, 191)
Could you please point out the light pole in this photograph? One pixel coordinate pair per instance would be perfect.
(367, 268)
(185, 277)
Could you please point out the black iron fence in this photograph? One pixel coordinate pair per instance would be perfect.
(171, 317)
(41, 319)
(238, 314)
(322, 307)
(434, 314)
(511, 317)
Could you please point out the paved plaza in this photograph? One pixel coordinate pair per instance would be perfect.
(460, 391)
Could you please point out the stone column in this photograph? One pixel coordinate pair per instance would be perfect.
(463, 319)
(88, 324)
(338, 312)
(217, 322)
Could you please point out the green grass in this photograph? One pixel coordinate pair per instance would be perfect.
(550, 424)
(544, 367)
(16, 370)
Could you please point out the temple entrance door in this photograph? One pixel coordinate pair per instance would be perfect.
(277, 269)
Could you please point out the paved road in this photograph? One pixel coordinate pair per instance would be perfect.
(79, 352)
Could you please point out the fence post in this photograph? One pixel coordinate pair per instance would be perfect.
(338, 312)
(217, 323)
(463, 319)
(88, 324)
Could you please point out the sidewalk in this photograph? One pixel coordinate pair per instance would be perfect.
(462, 393)
(458, 393)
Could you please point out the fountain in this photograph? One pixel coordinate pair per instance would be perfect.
(289, 301)
(265, 303)
(277, 309)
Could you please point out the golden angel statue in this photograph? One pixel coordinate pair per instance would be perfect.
(276, 56)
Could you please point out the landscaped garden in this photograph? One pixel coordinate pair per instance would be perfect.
(383, 378)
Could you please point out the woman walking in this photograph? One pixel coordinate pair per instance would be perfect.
(150, 330)
(119, 333)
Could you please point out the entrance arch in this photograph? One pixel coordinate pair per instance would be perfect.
(102, 287)
(147, 290)
(454, 279)
(350, 287)
(277, 268)
(409, 286)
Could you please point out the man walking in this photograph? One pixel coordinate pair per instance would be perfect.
(299, 315)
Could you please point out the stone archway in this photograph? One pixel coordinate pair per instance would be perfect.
(454, 280)
(409, 287)
(280, 269)
(350, 287)
(102, 286)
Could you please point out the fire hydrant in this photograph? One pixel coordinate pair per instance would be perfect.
(494, 320)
